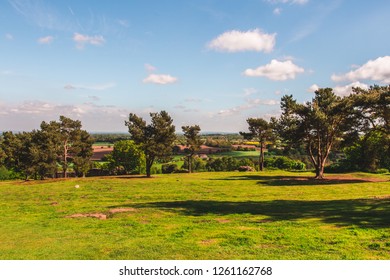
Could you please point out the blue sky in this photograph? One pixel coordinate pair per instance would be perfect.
(208, 62)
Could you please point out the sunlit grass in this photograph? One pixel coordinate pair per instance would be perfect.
(228, 215)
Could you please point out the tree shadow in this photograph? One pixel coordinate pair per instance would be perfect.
(365, 213)
(298, 180)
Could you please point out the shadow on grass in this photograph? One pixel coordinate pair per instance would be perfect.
(365, 213)
(299, 180)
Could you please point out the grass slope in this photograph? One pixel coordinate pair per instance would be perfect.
(270, 215)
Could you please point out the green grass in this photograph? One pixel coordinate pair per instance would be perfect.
(228, 215)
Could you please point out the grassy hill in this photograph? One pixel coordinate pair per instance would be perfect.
(229, 215)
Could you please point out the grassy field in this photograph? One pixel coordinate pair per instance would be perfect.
(230, 215)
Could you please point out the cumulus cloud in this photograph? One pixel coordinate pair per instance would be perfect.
(238, 41)
(375, 70)
(347, 89)
(313, 88)
(97, 87)
(82, 40)
(160, 79)
(276, 70)
(46, 40)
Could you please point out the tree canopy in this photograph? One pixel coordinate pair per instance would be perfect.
(318, 124)
(260, 130)
(155, 139)
(193, 142)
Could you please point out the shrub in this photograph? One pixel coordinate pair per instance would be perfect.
(285, 163)
(168, 168)
(155, 170)
(382, 171)
(6, 174)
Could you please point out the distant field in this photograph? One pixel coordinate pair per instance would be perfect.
(238, 154)
(227, 215)
(102, 144)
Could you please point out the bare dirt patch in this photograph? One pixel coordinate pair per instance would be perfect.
(102, 216)
(122, 210)
(223, 221)
(99, 216)
(208, 242)
(382, 197)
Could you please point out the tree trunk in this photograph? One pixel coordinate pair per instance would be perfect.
(320, 171)
(189, 164)
(261, 157)
(149, 163)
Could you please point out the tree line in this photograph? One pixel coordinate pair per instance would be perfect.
(41, 153)
(358, 124)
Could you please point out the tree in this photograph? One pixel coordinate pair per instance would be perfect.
(69, 143)
(129, 156)
(82, 153)
(18, 150)
(372, 107)
(318, 124)
(156, 139)
(260, 130)
(369, 142)
(193, 142)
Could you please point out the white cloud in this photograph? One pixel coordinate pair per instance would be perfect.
(277, 11)
(29, 115)
(238, 41)
(313, 88)
(46, 40)
(375, 70)
(160, 79)
(81, 40)
(276, 70)
(347, 89)
(97, 87)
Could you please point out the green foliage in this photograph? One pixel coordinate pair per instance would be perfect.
(38, 153)
(318, 124)
(227, 164)
(6, 174)
(197, 164)
(193, 143)
(156, 139)
(259, 130)
(284, 163)
(128, 156)
(168, 168)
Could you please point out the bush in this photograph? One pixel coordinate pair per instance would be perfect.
(155, 170)
(168, 168)
(285, 163)
(382, 171)
(6, 174)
